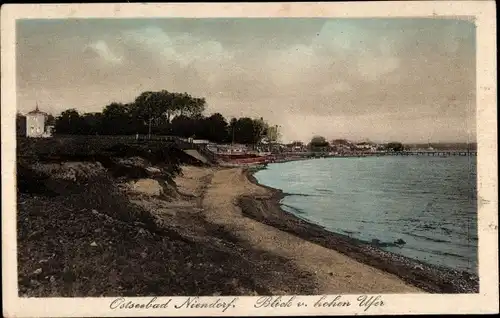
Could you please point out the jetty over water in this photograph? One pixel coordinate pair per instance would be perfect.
(441, 153)
(434, 153)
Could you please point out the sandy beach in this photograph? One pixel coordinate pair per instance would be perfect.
(332, 272)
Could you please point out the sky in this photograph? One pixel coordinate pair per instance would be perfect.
(410, 80)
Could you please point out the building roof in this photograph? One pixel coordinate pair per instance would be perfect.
(36, 111)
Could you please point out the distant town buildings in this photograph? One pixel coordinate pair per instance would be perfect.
(333, 147)
(36, 124)
(366, 146)
(337, 146)
(227, 149)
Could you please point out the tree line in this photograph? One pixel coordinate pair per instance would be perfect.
(163, 113)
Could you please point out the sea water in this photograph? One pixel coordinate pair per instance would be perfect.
(429, 203)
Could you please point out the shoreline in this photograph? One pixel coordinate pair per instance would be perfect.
(303, 260)
(221, 232)
(158, 223)
(430, 278)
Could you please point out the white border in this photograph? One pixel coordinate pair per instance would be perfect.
(484, 15)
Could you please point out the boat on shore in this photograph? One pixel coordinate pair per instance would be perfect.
(243, 155)
(245, 160)
(243, 165)
(238, 156)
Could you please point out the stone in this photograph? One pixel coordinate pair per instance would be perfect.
(153, 170)
(400, 242)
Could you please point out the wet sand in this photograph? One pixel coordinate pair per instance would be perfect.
(332, 271)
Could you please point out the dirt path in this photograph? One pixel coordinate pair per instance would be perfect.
(334, 272)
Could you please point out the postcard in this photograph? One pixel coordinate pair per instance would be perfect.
(249, 159)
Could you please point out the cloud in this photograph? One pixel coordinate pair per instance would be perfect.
(337, 77)
(101, 49)
(340, 36)
(183, 48)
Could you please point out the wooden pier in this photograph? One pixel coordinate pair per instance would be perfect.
(436, 153)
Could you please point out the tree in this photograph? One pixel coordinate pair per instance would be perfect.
(215, 128)
(260, 130)
(183, 126)
(395, 146)
(69, 122)
(20, 124)
(148, 108)
(116, 119)
(156, 109)
(185, 104)
(165, 112)
(199, 106)
(51, 120)
(231, 129)
(94, 123)
(319, 141)
(246, 130)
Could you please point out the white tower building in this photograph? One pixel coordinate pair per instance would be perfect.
(36, 123)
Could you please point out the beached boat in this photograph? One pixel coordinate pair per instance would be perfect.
(232, 156)
(239, 155)
(243, 165)
(247, 160)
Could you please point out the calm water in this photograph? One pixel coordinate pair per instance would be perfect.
(429, 202)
